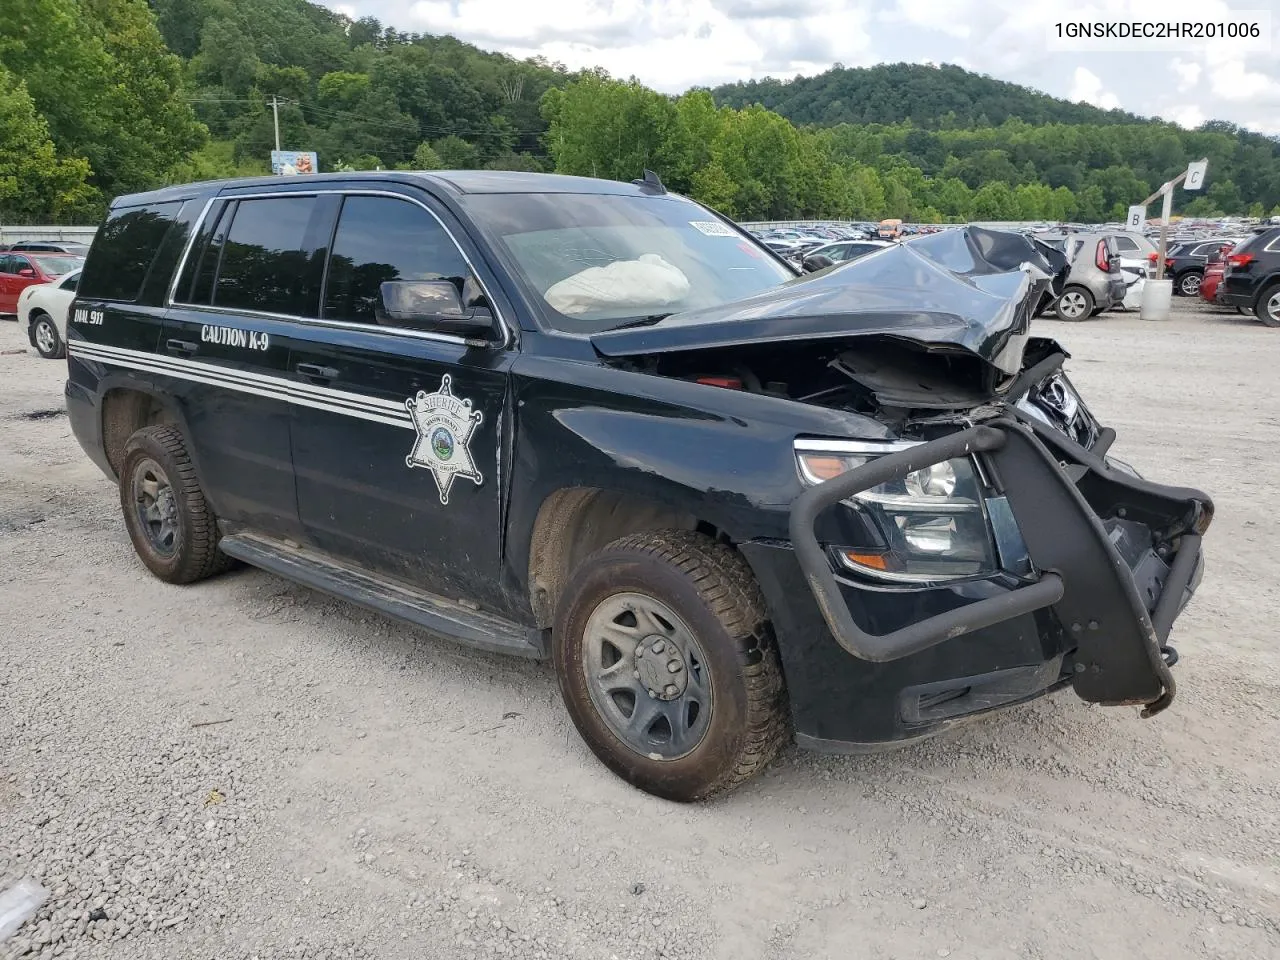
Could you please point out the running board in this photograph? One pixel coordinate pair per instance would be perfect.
(446, 618)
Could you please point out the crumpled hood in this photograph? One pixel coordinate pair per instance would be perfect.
(968, 289)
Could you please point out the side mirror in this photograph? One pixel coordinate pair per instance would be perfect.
(26, 272)
(817, 261)
(432, 305)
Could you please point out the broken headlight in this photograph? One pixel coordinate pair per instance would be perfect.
(927, 526)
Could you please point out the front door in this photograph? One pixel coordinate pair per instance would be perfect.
(400, 468)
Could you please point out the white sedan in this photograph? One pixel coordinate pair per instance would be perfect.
(44, 307)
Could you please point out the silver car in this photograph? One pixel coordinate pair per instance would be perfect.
(1095, 282)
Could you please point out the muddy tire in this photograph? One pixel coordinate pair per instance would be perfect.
(1267, 309)
(172, 526)
(1075, 304)
(667, 667)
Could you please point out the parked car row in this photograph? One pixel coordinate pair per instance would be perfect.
(1246, 275)
(38, 289)
(46, 246)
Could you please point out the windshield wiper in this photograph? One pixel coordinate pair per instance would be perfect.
(642, 321)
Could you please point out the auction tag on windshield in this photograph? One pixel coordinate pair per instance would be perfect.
(712, 228)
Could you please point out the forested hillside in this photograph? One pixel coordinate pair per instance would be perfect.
(945, 96)
(101, 97)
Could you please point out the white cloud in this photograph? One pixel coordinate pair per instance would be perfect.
(669, 44)
(1187, 72)
(1086, 86)
(1189, 116)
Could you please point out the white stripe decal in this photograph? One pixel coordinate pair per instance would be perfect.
(373, 409)
(293, 386)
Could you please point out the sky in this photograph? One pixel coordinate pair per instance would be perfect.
(672, 45)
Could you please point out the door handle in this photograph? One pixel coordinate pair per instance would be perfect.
(181, 346)
(315, 371)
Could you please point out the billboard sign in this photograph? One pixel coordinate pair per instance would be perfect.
(289, 163)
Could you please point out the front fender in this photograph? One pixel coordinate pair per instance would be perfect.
(724, 456)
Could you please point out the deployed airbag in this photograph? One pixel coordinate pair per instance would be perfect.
(647, 283)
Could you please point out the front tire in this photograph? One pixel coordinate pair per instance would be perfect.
(1075, 304)
(172, 526)
(1267, 309)
(45, 337)
(667, 667)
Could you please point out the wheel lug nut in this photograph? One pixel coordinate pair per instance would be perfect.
(673, 666)
(659, 647)
(670, 690)
(653, 693)
(635, 674)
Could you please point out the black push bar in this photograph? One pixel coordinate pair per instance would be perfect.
(927, 633)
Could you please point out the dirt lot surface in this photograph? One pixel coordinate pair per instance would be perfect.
(245, 768)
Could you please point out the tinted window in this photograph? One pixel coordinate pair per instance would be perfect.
(19, 263)
(264, 265)
(70, 282)
(4, 263)
(380, 239)
(123, 250)
(1125, 245)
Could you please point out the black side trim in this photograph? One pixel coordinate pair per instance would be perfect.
(443, 617)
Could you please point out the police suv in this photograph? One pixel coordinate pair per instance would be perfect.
(594, 421)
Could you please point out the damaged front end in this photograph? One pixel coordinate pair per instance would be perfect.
(996, 483)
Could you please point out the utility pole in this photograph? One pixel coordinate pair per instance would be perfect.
(275, 114)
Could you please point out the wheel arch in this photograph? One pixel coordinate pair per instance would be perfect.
(574, 522)
(127, 406)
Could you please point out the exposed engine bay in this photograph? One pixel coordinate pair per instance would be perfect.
(900, 383)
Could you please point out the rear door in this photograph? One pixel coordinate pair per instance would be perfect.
(253, 274)
(400, 462)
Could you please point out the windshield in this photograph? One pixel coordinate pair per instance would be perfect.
(57, 266)
(599, 260)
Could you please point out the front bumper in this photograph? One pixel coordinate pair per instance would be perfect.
(866, 666)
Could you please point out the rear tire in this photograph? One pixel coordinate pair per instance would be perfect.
(1075, 304)
(172, 526)
(1267, 309)
(45, 337)
(694, 604)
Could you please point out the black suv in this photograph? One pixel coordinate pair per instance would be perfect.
(1184, 263)
(597, 422)
(1252, 277)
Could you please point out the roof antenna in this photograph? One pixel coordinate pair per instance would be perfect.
(650, 183)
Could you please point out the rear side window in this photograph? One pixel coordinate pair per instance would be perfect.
(123, 251)
(265, 266)
(380, 239)
(1125, 245)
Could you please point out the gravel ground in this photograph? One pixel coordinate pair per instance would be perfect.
(245, 768)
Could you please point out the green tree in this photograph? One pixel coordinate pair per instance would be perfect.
(995, 201)
(100, 74)
(426, 158)
(454, 153)
(34, 183)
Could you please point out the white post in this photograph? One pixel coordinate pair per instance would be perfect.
(275, 115)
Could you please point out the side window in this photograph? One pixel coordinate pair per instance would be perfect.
(4, 262)
(264, 264)
(17, 264)
(380, 239)
(123, 250)
(1125, 245)
(70, 282)
(1204, 250)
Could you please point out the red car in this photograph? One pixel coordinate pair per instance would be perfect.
(20, 270)
(1213, 270)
